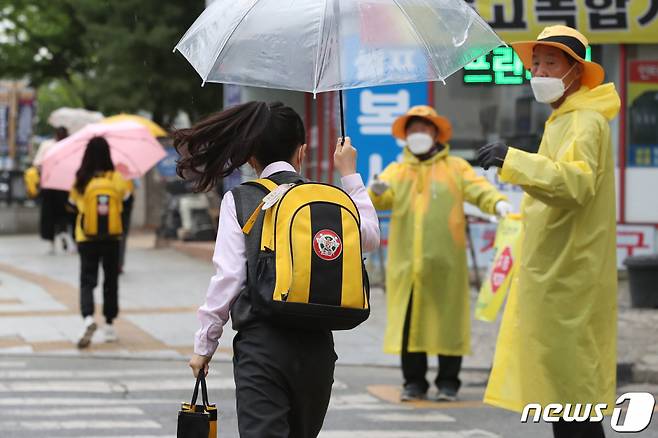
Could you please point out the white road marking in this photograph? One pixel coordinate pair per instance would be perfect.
(60, 401)
(111, 387)
(362, 402)
(73, 412)
(12, 364)
(411, 417)
(96, 374)
(78, 425)
(407, 434)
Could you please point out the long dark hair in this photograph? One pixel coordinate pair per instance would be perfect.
(220, 144)
(97, 159)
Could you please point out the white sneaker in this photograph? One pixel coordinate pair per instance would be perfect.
(87, 332)
(68, 244)
(110, 334)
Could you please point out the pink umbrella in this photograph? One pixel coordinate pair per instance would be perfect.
(134, 152)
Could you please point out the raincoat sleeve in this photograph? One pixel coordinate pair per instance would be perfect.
(569, 180)
(477, 190)
(385, 200)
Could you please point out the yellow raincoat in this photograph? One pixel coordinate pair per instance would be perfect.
(427, 250)
(557, 342)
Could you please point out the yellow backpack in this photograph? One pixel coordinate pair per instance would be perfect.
(32, 180)
(310, 270)
(103, 205)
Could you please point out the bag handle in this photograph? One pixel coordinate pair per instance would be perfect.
(201, 379)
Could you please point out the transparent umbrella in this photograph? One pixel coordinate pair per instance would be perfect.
(333, 45)
(73, 119)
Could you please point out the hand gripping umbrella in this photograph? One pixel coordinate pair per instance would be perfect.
(333, 45)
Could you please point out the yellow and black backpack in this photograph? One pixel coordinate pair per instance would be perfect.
(310, 270)
(103, 204)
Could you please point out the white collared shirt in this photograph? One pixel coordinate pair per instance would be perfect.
(231, 262)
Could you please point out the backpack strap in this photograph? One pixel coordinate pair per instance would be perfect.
(262, 183)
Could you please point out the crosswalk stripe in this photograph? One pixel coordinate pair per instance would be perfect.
(70, 412)
(361, 402)
(78, 425)
(97, 374)
(60, 401)
(118, 386)
(12, 364)
(410, 417)
(407, 434)
(132, 436)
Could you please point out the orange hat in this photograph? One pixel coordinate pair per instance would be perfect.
(442, 124)
(570, 41)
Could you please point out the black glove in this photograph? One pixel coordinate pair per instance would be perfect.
(492, 154)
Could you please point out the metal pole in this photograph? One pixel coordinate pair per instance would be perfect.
(342, 118)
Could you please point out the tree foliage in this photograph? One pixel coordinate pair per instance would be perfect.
(116, 56)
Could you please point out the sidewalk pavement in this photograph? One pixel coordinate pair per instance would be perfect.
(162, 288)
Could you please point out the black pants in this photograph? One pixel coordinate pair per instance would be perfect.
(283, 380)
(414, 365)
(93, 254)
(54, 218)
(562, 429)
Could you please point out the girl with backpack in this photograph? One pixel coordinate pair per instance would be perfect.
(98, 195)
(283, 374)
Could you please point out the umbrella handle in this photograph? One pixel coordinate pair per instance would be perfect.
(342, 118)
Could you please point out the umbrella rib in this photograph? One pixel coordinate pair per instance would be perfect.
(316, 81)
(225, 43)
(420, 39)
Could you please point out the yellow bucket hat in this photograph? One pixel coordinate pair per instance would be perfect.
(570, 41)
(442, 124)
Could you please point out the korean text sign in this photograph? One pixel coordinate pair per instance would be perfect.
(602, 21)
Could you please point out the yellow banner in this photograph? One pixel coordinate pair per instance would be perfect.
(602, 21)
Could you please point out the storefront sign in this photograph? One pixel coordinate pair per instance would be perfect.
(643, 114)
(602, 21)
(502, 66)
(631, 241)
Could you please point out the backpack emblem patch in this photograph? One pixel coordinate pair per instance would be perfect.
(103, 205)
(327, 245)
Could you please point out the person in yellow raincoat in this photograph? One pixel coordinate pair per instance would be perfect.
(557, 342)
(427, 286)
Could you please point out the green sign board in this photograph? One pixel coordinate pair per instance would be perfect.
(502, 66)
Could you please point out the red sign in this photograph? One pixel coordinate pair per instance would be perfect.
(644, 71)
(502, 269)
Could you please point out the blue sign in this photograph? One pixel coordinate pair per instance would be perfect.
(370, 113)
(642, 155)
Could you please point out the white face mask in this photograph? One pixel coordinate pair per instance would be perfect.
(549, 90)
(420, 143)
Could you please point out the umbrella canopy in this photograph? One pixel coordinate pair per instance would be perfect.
(330, 45)
(73, 119)
(154, 128)
(134, 152)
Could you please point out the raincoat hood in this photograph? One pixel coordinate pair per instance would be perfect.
(602, 99)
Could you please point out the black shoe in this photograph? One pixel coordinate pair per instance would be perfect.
(412, 394)
(446, 395)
